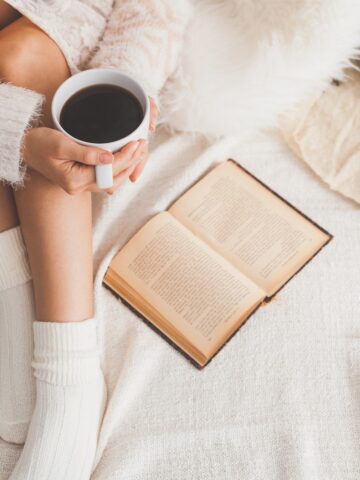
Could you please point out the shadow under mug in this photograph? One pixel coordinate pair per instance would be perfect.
(102, 76)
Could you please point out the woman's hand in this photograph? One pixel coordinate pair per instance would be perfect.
(154, 112)
(70, 165)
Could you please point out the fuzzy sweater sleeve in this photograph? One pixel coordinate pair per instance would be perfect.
(143, 38)
(18, 109)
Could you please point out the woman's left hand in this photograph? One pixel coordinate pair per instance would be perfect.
(154, 112)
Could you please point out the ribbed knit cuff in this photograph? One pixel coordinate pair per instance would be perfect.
(66, 353)
(18, 109)
(14, 265)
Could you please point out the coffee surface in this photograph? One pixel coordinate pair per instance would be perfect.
(101, 114)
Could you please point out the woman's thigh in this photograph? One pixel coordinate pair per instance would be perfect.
(29, 58)
(56, 226)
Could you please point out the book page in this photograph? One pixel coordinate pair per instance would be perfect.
(260, 234)
(188, 283)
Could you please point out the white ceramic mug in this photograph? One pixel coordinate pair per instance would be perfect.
(102, 76)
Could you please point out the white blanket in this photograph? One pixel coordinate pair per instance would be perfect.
(282, 399)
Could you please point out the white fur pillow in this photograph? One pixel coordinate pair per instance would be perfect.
(246, 61)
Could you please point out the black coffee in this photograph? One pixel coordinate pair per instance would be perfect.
(101, 114)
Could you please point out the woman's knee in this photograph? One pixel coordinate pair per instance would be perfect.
(31, 59)
(13, 62)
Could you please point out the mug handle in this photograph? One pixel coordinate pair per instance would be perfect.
(104, 176)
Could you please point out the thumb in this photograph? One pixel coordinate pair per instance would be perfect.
(90, 155)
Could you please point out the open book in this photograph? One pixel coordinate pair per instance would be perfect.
(199, 270)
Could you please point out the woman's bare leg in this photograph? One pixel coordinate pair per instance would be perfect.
(56, 227)
(70, 388)
(57, 232)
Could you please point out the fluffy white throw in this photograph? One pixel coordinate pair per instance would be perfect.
(245, 61)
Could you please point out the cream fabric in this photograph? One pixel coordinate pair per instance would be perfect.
(324, 131)
(282, 400)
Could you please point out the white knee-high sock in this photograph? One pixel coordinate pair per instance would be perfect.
(17, 314)
(70, 402)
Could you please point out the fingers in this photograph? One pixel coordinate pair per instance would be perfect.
(124, 164)
(154, 112)
(70, 150)
(126, 157)
(92, 156)
(138, 170)
(133, 164)
(80, 176)
(119, 180)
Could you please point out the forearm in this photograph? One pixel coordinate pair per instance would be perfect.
(143, 38)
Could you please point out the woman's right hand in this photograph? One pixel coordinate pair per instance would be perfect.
(70, 165)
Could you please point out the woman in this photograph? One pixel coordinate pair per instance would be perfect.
(69, 390)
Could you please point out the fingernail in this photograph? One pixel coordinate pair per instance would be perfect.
(106, 157)
(109, 192)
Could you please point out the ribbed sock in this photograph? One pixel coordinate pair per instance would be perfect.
(9, 455)
(70, 402)
(17, 314)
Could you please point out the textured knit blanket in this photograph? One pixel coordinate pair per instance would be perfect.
(282, 399)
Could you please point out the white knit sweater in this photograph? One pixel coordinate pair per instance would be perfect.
(141, 37)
